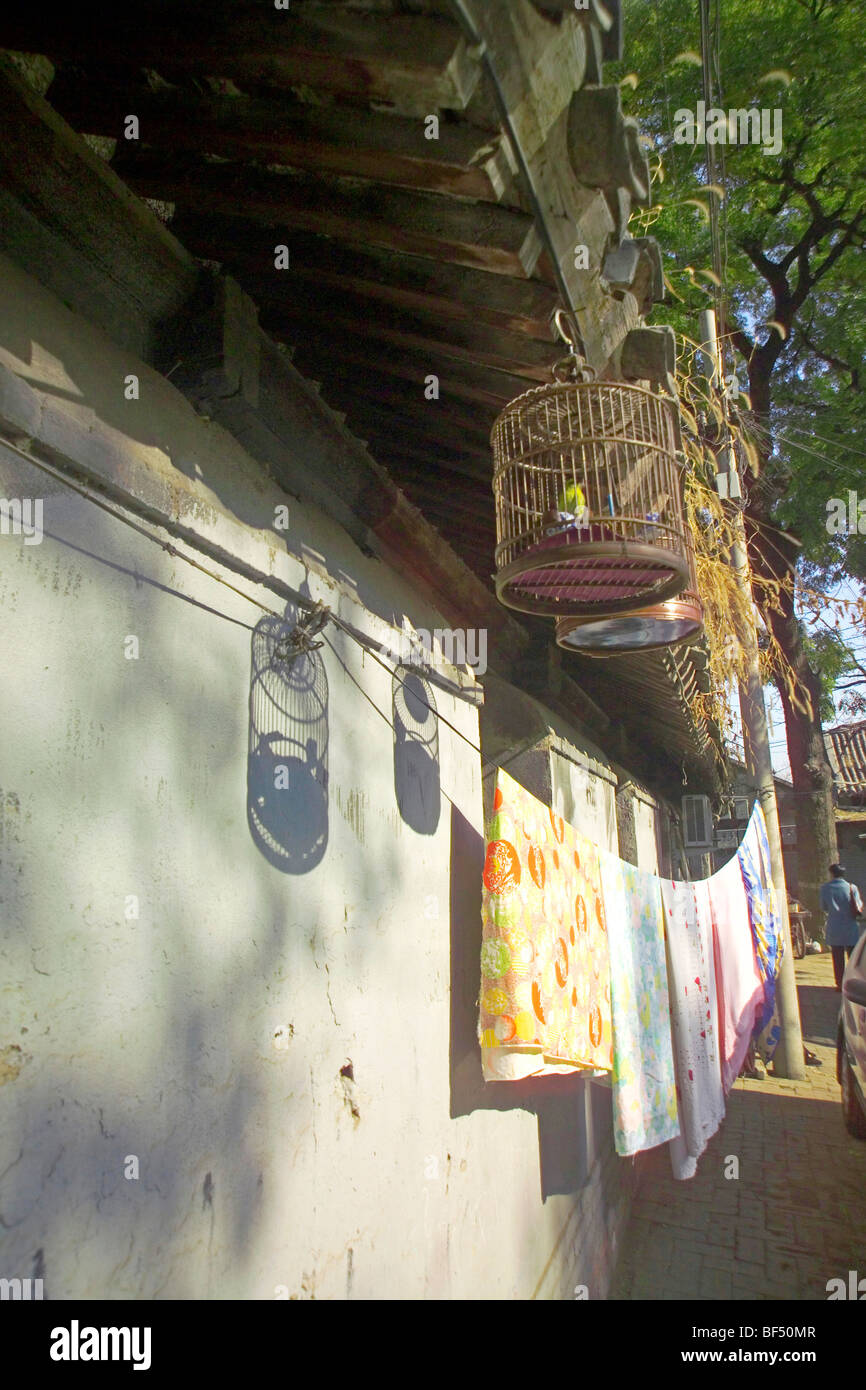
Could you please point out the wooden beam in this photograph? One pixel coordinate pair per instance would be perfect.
(435, 432)
(284, 423)
(538, 65)
(481, 235)
(504, 352)
(389, 149)
(67, 219)
(438, 461)
(412, 282)
(291, 324)
(443, 490)
(415, 63)
(474, 385)
(504, 365)
(429, 421)
(356, 378)
(442, 505)
(360, 393)
(432, 463)
(353, 365)
(251, 260)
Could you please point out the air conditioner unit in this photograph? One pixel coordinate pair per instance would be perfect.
(741, 808)
(697, 822)
(727, 839)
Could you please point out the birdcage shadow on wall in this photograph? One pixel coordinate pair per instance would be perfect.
(588, 494)
(416, 751)
(287, 762)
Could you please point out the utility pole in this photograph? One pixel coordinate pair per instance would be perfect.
(788, 1058)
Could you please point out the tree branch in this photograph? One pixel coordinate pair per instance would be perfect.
(828, 357)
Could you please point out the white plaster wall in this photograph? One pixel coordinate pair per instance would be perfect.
(155, 1037)
(586, 800)
(646, 835)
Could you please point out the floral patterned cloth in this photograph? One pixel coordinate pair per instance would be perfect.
(694, 1019)
(644, 1083)
(738, 984)
(766, 924)
(545, 967)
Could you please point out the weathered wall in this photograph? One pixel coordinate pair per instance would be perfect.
(283, 1036)
(852, 851)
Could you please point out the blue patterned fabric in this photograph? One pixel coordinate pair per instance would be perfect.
(644, 1078)
(766, 925)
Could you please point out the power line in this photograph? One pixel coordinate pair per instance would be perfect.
(305, 603)
(832, 464)
(836, 443)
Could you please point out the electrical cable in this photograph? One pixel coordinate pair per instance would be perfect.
(307, 604)
(764, 435)
(832, 464)
(835, 443)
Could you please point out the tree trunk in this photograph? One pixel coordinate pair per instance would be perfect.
(811, 773)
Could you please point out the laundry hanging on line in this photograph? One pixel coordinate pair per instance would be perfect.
(644, 1084)
(545, 966)
(583, 959)
(694, 1022)
(767, 934)
(738, 984)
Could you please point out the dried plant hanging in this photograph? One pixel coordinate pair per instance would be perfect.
(714, 528)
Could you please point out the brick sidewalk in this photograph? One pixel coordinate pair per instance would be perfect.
(794, 1218)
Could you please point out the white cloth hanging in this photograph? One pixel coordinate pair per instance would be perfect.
(694, 1022)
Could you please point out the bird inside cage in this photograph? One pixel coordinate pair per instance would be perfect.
(575, 508)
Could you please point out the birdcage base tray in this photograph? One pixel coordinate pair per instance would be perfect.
(591, 578)
(663, 625)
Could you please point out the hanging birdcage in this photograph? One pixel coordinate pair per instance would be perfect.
(588, 493)
(667, 624)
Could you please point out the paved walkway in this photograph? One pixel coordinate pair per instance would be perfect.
(794, 1218)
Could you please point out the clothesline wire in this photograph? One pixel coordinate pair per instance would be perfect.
(172, 550)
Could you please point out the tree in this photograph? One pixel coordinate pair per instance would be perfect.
(793, 221)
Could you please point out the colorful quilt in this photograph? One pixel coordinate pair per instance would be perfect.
(738, 984)
(765, 921)
(694, 1020)
(644, 1082)
(545, 965)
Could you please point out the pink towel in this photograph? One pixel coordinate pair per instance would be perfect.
(738, 983)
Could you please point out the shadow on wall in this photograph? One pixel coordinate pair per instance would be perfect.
(416, 751)
(287, 759)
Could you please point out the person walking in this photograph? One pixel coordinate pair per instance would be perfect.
(843, 905)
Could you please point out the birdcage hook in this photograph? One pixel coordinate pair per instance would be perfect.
(573, 367)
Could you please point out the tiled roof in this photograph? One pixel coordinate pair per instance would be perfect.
(846, 749)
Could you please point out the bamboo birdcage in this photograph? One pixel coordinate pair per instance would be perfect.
(588, 493)
(667, 624)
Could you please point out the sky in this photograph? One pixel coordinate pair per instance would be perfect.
(855, 637)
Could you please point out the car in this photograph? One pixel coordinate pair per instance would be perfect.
(851, 1042)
